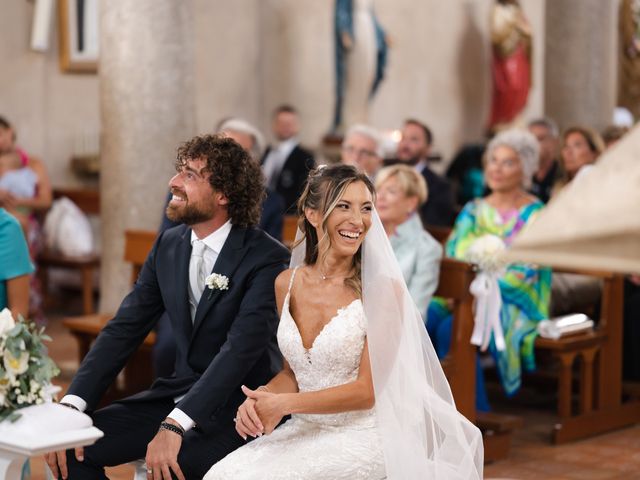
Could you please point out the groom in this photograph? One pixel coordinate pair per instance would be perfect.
(224, 326)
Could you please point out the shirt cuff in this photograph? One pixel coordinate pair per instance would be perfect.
(182, 418)
(76, 401)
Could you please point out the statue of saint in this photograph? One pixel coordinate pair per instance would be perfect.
(361, 52)
(629, 68)
(511, 62)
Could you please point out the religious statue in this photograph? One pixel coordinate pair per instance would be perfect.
(629, 69)
(511, 61)
(361, 52)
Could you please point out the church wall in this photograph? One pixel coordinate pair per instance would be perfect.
(252, 55)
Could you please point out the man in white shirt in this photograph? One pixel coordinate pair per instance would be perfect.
(214, 276)
(286, 165)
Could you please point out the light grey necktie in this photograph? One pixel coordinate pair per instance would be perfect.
(197, 273)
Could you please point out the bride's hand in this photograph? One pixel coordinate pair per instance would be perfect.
(268, 407)
(247, 420)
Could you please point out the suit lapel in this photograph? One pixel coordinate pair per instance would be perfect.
(183, 255)
(227, 262)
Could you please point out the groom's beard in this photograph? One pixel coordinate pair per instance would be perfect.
(189, 213)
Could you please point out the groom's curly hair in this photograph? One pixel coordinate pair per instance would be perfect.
(233, 172)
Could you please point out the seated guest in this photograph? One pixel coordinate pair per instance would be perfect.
(37, 205)
(465, 173)
(19, 181)
(581, 147)
(286, 165)
(362, 148)
(546, 132)
(572, 292)
(15, 266)
(400, 192)
(250, 138)
(511, 160)
(413, 149)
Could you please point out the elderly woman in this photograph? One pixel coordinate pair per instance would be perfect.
(511, 159)
(401, 190)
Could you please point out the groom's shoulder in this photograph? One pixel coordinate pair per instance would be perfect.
(260, 242)
(173, 234)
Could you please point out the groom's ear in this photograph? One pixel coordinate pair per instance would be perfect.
(221, 198)
(312, 216)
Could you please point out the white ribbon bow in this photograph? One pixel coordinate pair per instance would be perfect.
(486, 290)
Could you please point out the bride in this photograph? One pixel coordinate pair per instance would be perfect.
(364, 388)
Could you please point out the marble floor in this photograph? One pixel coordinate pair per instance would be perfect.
(615, 455)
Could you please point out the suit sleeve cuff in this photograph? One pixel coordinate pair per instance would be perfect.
(182, 418)
(76, 401)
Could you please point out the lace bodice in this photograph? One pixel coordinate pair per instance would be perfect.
(333, 359)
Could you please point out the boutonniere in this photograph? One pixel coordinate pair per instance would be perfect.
(215, 281)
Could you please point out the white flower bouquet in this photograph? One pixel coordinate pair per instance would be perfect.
(486, 254)
(25, 368)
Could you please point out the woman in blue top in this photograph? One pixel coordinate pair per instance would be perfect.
(401, 190)
(15, 266)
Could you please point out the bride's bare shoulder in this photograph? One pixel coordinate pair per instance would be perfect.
(282, 280)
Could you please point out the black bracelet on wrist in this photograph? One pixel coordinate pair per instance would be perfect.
(68, 405)
(172, 428)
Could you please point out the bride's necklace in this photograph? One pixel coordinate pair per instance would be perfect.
(324, 276)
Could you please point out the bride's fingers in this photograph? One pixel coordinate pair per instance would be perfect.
(247, 423)
(253, 415)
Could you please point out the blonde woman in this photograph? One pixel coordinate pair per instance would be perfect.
(401, 190)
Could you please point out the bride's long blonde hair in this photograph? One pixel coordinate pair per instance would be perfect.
(324, 189)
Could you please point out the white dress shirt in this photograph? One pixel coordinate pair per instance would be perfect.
(214, 243)
(276, 158)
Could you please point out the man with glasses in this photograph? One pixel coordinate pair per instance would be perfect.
(362, 148)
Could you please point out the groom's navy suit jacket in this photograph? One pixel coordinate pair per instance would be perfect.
(231, 342)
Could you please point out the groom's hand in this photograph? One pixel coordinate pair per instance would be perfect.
(57, 462)
(268, 407)
(162, 454)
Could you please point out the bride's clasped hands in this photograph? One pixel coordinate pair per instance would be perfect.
(260, 413)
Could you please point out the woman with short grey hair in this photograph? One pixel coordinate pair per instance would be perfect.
(525, 146)
(511, 159)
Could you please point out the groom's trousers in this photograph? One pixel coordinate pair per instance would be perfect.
(128, 428)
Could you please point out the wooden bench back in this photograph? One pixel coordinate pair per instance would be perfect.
(137, 246)
(459, 364)
(289, 229)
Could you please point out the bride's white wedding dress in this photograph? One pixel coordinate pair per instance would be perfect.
(336, 446)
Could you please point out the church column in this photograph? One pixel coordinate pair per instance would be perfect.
(581, 56)
(147, 109)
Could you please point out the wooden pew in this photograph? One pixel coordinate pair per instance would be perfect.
(460, 363)
(289, 229)
(137, 373)
(601, 406)
(89, 202)
(598, 354)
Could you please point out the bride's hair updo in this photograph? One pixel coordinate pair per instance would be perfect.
(324, 189)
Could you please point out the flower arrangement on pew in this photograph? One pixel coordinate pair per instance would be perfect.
(486, 254)
(25, 368)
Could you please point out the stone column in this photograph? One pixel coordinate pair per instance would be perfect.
(147, 109)
(581, 56)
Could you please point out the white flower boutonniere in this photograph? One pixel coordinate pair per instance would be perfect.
(215, 281)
